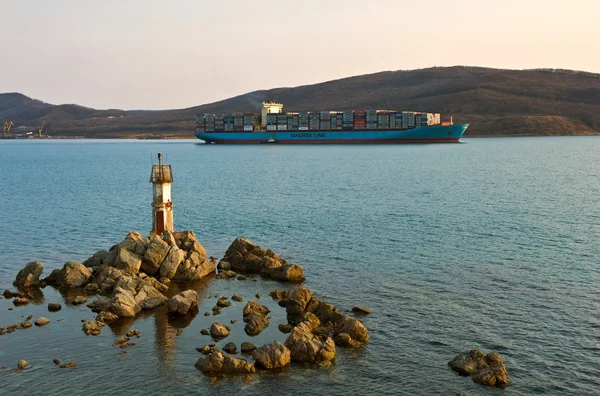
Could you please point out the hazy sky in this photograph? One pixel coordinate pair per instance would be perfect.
(147, 54)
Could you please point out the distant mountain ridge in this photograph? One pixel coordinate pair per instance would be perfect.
(495, 102)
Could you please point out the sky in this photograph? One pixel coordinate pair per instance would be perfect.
(155, 54)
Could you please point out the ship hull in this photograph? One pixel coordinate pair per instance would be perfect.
(428, 134)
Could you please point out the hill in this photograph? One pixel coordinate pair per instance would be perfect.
(495, 102)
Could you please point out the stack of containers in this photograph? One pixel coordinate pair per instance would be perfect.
(392, 120)
(293, 121)
(248, 122)
(418, 119)
(313, 121)
(282, 122)
(371, 119)
(411, 119)
(271, 121)
(219, 122)
(238, 122)
(383, 120)
(360, 119)
(200, 123)
(348, 119)
(398, 120)
(333, 118)
(325, 124)
(340, 120)
(303, 121)
(209, 122)
(406, 116)
(228, 122)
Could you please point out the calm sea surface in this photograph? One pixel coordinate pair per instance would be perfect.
(491, 244)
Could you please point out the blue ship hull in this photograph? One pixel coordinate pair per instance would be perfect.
(427, 134)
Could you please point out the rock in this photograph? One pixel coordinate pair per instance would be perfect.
(357, 331)
(97, 259)
(285, 328)
(255, 307)
(107, 277)
(42, 322)
(207, 349)
(306, 347)
(123, 303)
(361, 310)
(217, 363)
(149, 298)
(288, 272)
(297, 300)
(206, 313)
(255, 324)
(242, 278)
(171, 263)
(76, 300)
(106, 317)
(183, 302)
(56, 361)
(100, 304)
(91, 288)
(154, 256)
(223, 266)
(92, 327)
(179, 332)
(233, 321)
(218, 330)
(133, 333)
(226, 274)
(21, 364)
(73, 275)
(272, 356)
(121, 341)
(258, 295)
(237, 298)
(223, 303)
(29, 276)
(230, 348)
(20, 301)
(150, 281)
(29, 317)
(54, 307)
(204, 332)
(248, 347)
(26, 325)
(278, 294)
(128, 262)
(168, 237)
(327, 313)
(68, 365)
(2, 331)
(486, 370)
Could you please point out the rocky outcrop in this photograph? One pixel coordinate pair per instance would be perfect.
(218, 363)
(72, 275)
(350, 333)
(184, 302)
(219, 330)
(247, 257)
(255, 317)
(155, 255)
(272, 356)
(486, 370)
(29, 276)
(304, 346)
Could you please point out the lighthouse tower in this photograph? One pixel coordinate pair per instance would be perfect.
(162, 207)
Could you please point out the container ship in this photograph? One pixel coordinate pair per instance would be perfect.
(351, 126)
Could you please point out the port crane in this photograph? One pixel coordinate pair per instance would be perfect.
(41, 129)
(6, 128)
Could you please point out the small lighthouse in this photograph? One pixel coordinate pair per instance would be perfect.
(162, 207)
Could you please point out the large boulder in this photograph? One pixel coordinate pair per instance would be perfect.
(149, 298)
(107, 277)
(127, 261)
(304, 346)
(255, 324)
(72, 275)
(288, 272)
(484, 369)
(135, 243)
(183, 302)
(155, 255)
(297, 300)
(254, 307)
(350, 333)
(272, 356)
(171, 263)
(218, 363)
(123, 303)
(219, 330)
(29, 276)
(97, 259)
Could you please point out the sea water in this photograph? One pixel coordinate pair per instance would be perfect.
(490, 244)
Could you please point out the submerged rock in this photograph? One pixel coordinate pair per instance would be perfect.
(29, 276)
(486, 370)
(68, 365)
(217, 363)
(272, 356)
(361, 310)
